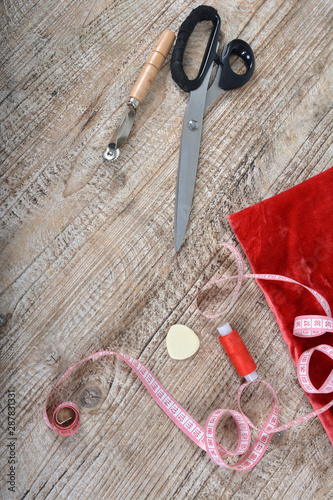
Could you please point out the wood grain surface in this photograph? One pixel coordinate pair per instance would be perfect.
(88, 261)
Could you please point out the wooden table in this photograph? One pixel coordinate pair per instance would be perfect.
(88, 261)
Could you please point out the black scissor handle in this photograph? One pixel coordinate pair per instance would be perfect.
(229, 79)
(201, 13)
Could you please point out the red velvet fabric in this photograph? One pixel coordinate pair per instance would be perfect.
(292, 234)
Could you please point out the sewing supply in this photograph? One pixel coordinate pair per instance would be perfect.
(66, 418)
(182, 342)
(139, 92)
(291, 233)
(203, 437)
(237, 352)
(200, 98)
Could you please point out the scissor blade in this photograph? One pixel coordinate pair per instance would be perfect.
(188, 159)
(214, 90)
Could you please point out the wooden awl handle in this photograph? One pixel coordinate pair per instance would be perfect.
(153, 65)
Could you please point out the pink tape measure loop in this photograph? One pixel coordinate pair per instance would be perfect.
(303, 371)
(244, 436)
(66, 418)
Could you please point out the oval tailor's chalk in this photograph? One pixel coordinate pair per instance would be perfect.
(181, 342)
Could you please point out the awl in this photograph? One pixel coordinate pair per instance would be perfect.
(139, 92)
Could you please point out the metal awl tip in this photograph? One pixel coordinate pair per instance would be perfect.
(111, 153)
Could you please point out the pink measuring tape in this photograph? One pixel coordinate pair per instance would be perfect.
(66, 417)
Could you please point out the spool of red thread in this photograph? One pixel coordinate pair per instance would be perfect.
(237, 352)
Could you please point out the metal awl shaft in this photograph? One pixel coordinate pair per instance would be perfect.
(121, 134)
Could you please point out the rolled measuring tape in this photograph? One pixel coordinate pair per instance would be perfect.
(65, 418)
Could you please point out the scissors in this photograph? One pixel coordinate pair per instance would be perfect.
(201, 96)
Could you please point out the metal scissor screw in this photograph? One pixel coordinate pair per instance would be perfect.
(193, 125)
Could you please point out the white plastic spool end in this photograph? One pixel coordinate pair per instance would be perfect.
(224, 329)
(251, 377)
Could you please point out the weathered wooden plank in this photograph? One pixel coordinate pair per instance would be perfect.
(87, 250)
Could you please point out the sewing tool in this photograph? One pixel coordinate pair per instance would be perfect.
(237, 352)
(182, 342)
(139, 92)
(200, 98)
(66, 419)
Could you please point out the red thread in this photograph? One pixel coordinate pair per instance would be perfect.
(238, 353)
